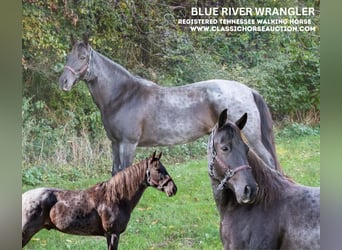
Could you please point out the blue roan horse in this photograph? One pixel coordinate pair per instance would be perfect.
(137, 112)
(259, 207)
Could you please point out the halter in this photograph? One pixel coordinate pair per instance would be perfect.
(229, 172)
(159, 186)
(86, 67)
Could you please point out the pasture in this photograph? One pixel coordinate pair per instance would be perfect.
(187, 221)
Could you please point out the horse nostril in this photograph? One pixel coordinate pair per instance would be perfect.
(248, 191)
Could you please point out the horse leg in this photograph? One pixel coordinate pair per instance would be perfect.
(123, 154)
(116, 158)
(113, 241)
(127, 153)
(30, 227)
(27, 235)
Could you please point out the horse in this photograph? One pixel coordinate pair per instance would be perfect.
(102, 210)
(259, 207)
(137, 112)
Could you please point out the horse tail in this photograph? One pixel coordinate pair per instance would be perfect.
(267, 136)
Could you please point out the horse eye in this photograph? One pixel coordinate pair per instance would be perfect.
(225, 148)
(83, 57)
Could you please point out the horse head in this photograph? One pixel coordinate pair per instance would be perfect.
(158, 177)
(229, 164)
(77, 63)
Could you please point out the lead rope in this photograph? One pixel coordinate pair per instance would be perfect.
(87, 74)
(213, 153)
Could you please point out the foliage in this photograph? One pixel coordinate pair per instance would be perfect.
(291, 83)
(297, 129)
(56, 141)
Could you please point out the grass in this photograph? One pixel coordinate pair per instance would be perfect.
(187, 221)
(300, 158)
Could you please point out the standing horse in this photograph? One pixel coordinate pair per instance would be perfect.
(137, 112)
(259, 207)
(103, 209)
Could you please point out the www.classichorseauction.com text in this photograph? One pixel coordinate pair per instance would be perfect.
(246, 19)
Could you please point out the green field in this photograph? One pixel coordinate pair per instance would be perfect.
(188, 220)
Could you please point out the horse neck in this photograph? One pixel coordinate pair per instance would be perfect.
(225, 199)
(127, 186)
(108, 80)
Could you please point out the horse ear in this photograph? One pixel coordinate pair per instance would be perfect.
(222, 118)
(73, 39)
(86, 38)
(242, 121)
(160, 155)
(153, 155)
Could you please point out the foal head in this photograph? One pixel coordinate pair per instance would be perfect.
(229, 164)
(158, 177)
(77, 64)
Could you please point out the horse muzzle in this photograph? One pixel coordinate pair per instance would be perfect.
(247, 195)
(66, 83)
(68, 78)
(169, 187)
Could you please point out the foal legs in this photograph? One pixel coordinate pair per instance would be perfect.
(112, 241)
(30, 227)
(27, 235)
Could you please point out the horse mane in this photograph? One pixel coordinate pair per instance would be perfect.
(271, 182)
(114, 63)
(145, 81)
(124, 184)
(125, 71)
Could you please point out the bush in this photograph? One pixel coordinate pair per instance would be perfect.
(65, 141)
(297, 129)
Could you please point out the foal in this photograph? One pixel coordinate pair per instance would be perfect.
(103, 209)
(275, 213)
